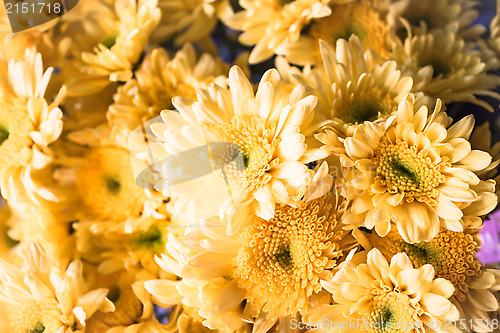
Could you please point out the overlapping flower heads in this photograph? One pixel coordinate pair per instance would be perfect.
(159, 173)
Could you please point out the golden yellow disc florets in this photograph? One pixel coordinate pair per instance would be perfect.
(405, 169)
(106, 184)
(37, 317)
(452, 254)
(368, 105)
(15, 128)
(283, 259)
(256, 145)
(391, 312)
(354, 18)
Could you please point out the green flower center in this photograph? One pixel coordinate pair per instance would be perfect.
(363, 109)
(153, 240)
(284, 256)
(109, 41)
(441, 67)
(404, 169)
(113, 184)
(351, 29)
(4, 134)
(39, 328)
(390, 311)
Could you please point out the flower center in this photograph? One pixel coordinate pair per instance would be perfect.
(106, 184)
(153, 239)
(440, 67)
(15, 128)
(391, 311)
(36, 317)
(4, 134)
(354, 18)
(282, 259)
(256, 145)
(367, 105)
(404, 169)
(452, 254)
(109, 41)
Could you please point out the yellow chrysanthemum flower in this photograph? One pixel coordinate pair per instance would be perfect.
(122, 35)
(271, 25)
(360, 18)
(452, 254)
(267, 130)
(28, 125)
(157, 81)
(190, 21)
(274, 265)
(282, 260)
(357, 85)
(132, 302)
(453, 73)
(412, 170)
(455, 16)
(387, 297)
(42, 298)
(113, 251)
(205, 284)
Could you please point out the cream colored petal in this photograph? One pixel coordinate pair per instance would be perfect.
(435, 304)
(352, 291)
(442, 287)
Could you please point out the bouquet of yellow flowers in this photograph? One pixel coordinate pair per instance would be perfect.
(249, 166)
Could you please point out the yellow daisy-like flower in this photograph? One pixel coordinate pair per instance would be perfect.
(453, 73)
(190, 21)
(122, 35)
(157, 81)
(42, 298)
(97, 181)
(205, 286)
(274, 265)
(282, 260)
(411, 170)
(262, 147)
(113, 251)
(132, 302)
(271, 25)
(358, 86)
(28, 124)
(106, 185)
(452, 254)
(384, 297)
(455, 16)
(360, 18)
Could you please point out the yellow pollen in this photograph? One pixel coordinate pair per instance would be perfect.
(354, 18)
(404, 169)
(106, 184)
(255, 144)
(283, 259)
(391, 312)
